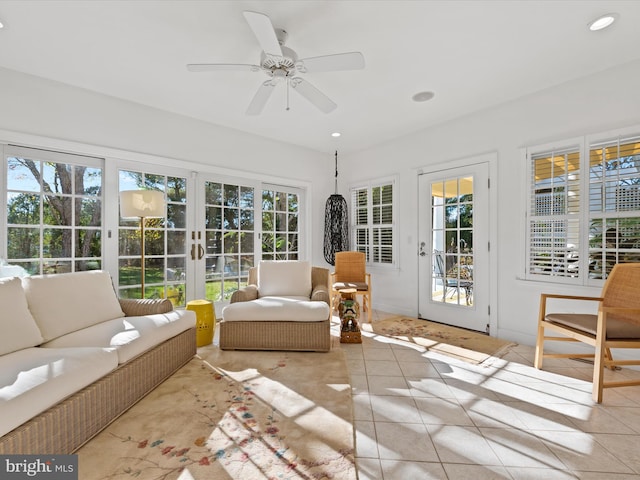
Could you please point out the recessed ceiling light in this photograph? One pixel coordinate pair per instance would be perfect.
(336, 134)
(1, 24)
(603, 22)
(423, 96)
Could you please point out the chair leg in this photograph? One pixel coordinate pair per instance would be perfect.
(537, 362)
(598, 364)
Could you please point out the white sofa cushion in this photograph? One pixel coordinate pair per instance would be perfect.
(129, 336)
(284, 278)
(18, 327)
(290, 309)
(34, 379)
(68, 302)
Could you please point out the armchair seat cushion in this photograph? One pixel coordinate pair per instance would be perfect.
(587, 323)
(269, 308)
(356, 285)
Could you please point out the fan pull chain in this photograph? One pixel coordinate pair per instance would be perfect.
(288, 83)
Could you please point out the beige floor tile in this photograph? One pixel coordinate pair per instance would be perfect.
(369, 469)
(429, 387)
(383, 367)
(442, 411)
(521, 473)
(461, 444)
(457, 471)
(388, 385)
(580, 452)
(403, 470)
(518, 448)
(362, 407)
(394, 409)
(359, 384)
(405, 441)
(366, 441)
(423, 369)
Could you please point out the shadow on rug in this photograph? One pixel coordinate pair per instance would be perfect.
(454, 342)
(235, 415)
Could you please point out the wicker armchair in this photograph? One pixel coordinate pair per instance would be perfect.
(616, 325)
(351, 272)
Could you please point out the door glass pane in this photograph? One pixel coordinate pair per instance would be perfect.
(280, 232)
(452, 227)
(229, 233)
(165, 241)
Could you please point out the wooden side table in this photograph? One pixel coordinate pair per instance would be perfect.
(349, 311)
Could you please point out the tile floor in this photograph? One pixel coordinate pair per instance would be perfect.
(420, 415)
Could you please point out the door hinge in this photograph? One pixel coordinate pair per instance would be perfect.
(488, 183)
(488, 309)
(488, 246)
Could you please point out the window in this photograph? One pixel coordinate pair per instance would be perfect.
(372, 221)
(54, 211)
(280, 224)
(583, 210)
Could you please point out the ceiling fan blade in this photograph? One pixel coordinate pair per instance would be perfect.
(330, 63)
(260, 98)
(221, 67)
(311, 93)
(264, 32)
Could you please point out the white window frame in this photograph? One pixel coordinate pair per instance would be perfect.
(369, 186)
(60, 157)
(582, 217)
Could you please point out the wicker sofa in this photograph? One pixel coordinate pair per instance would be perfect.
(73, 357)
(285, 306)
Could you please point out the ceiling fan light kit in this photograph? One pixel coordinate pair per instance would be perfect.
(281, 64)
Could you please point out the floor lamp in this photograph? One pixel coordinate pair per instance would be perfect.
(141, 204)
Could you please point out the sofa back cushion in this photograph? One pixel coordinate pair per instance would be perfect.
(291, 278)
(68, 302)
(18, 327)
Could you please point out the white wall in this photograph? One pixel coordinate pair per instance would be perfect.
(35, 106)
(598, 103)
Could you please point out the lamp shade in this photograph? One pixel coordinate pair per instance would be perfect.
(141, 203)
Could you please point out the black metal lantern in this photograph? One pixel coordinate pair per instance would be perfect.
(336, 224)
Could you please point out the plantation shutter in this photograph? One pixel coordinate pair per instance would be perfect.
(614, 204)
(554, 220)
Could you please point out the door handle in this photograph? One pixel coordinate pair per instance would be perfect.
(422, 252)
(193, 251)
(200, 251)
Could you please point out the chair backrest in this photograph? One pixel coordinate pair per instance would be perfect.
(438, 263)
(621, 290)
(319, 276)
(350, 267)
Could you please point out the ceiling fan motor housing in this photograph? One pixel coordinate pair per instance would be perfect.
(286, 62)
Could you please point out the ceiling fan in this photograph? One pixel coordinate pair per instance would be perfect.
(281, 64)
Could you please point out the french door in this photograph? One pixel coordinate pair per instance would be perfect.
(453, 252)
(238, 223)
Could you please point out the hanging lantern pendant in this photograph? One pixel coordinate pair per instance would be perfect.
(336, 224)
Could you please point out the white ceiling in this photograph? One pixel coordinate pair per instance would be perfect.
(472, 54)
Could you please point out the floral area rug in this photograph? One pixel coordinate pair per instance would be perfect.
(455, 342)
(235, 415)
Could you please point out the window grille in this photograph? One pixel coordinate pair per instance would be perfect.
(372, 221)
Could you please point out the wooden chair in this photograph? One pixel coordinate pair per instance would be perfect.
(616, 325)
(350, 272)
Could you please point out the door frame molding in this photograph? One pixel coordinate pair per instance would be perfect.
(490, 158)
